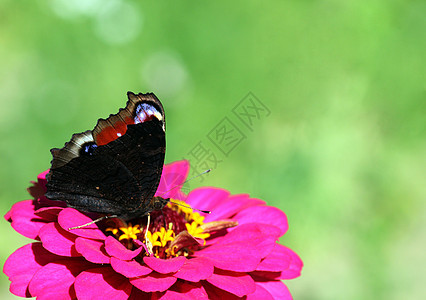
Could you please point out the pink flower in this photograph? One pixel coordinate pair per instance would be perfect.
(230, 253)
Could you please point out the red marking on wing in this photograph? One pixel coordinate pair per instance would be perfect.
(111, 130)
(111, 133)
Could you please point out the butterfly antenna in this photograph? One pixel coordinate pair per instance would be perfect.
(202, 173)
(203, 211)
(93, 222)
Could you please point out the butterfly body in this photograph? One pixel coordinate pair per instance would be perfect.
(114, 169)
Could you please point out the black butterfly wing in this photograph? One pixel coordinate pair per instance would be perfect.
(116, 168)
(142, 151)
(95, 183)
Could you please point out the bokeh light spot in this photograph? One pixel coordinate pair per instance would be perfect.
(73, 9)
(164, 73)
(118, 23)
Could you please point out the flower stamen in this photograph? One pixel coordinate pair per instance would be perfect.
(129, 233)
(195, 230)
(162, 237)
(159, 240)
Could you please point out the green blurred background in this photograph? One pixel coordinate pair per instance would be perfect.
(342, 152)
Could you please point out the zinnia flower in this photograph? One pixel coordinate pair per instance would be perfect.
(230, 253)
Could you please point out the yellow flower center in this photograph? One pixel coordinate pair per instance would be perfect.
(195, 230)
(130, 232)
(161, 238)
(182, 208)
(198, 218)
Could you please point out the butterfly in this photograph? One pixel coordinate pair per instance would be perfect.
(114, 169)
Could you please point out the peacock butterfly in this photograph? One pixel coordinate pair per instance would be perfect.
(115, 168)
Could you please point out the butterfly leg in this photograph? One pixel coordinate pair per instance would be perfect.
(93, 222)
(147, 241)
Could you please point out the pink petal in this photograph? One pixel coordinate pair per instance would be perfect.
(260, 293)
(295, 267)
(277, 289)
(265, 230)
(8, 215)
(43, 201)
(92, 250)
(173, 175)
(216, 293)
(239, 284)
(41, 179)
(129, 269)
(23, 219)
(70, 217)
(262, 236)
(180, 196)
(153, 282)
(140, 244)
(240, 250)
(233, 205)
(278, 260)
(55, 280)
(38, 189)
(114, 248)
(137, 294)
(102, 283)
(35, 190)
(195, 269)
(264, 215)
(207, 198)
(22, 264)
(184, 239)
(49, 214)
(233, 257)
(172, 295)
(57, 240)
(185, 290)
(244, 232)
(164, 266)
